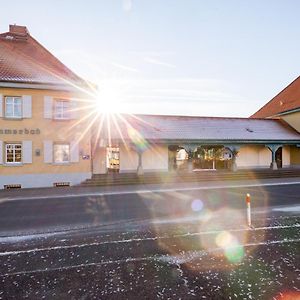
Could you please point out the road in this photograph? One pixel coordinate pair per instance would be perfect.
(189, 244)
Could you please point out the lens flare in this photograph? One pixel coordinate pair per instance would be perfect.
(293, 295)
(234, 254)
(197, 205)
(225, 239)
(220, 235)
(137, 139)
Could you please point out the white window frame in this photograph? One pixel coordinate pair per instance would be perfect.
(54, 156)
(14, 162)
(64, 114)
(14, 98)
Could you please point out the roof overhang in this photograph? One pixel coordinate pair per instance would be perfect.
(39, 86)
(215, 142)
(287, 112)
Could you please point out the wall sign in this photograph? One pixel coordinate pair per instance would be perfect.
(19, 131)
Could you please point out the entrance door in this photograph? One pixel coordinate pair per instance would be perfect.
(278, 157)
(113, 159)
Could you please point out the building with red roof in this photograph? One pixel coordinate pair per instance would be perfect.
(42, 116)
(285, 106)
(25, 60)
(286, 102)
(50, 134)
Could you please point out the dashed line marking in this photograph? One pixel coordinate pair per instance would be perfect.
(7, 253)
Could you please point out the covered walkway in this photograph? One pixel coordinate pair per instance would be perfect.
(150, 143)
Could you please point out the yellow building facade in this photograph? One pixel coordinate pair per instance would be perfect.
(43, 138)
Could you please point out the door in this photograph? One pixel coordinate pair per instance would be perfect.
(113, 159)
(278, 157)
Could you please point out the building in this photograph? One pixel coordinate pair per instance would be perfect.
(285, 106)
(42, 136)
(50, 135)
(148, 143)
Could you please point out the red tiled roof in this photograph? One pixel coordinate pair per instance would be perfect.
(24, 60)
(288, 99)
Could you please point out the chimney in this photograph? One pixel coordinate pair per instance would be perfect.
(20, 31)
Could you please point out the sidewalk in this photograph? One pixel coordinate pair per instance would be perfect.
(63, 192)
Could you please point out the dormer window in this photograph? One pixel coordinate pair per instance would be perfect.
(13, 107)
(61, 109)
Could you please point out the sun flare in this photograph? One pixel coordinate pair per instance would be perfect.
(110, 98)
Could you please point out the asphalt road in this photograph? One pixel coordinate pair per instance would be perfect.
(40, 215)
(170, 245)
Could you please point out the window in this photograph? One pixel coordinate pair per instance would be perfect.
(61, 153)
(13, 153)
(61, 109)
(13, 107)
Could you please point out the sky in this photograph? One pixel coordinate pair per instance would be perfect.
(183, 57)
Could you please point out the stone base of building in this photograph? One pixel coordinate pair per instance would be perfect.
(43, 180)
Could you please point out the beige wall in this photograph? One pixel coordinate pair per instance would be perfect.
(295, 156)
(260, 157)
(128, 159)
(154, 159)
(293, 119)
(99, 161)
(286, 161)
(248, 156)
(264, 156)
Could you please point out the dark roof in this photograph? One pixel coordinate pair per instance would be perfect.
(25, 60)
(287, 100)
(160, 127)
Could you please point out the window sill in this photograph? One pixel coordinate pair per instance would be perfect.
(61, 163)
(13, 118)
(66, 119)
(13, 164)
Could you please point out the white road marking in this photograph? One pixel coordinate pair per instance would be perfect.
(21, 238)
(295, 208)
(147, 191)
(7, 253)
(194, 255)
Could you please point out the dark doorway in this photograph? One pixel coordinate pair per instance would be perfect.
(278, 157)
(173, 149)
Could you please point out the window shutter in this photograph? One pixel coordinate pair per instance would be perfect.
(48, 107)
(27, 106)
(1, 153)
(48, 152)
(73, 109)
(1, 105)
(74, 152)
(27, 152)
